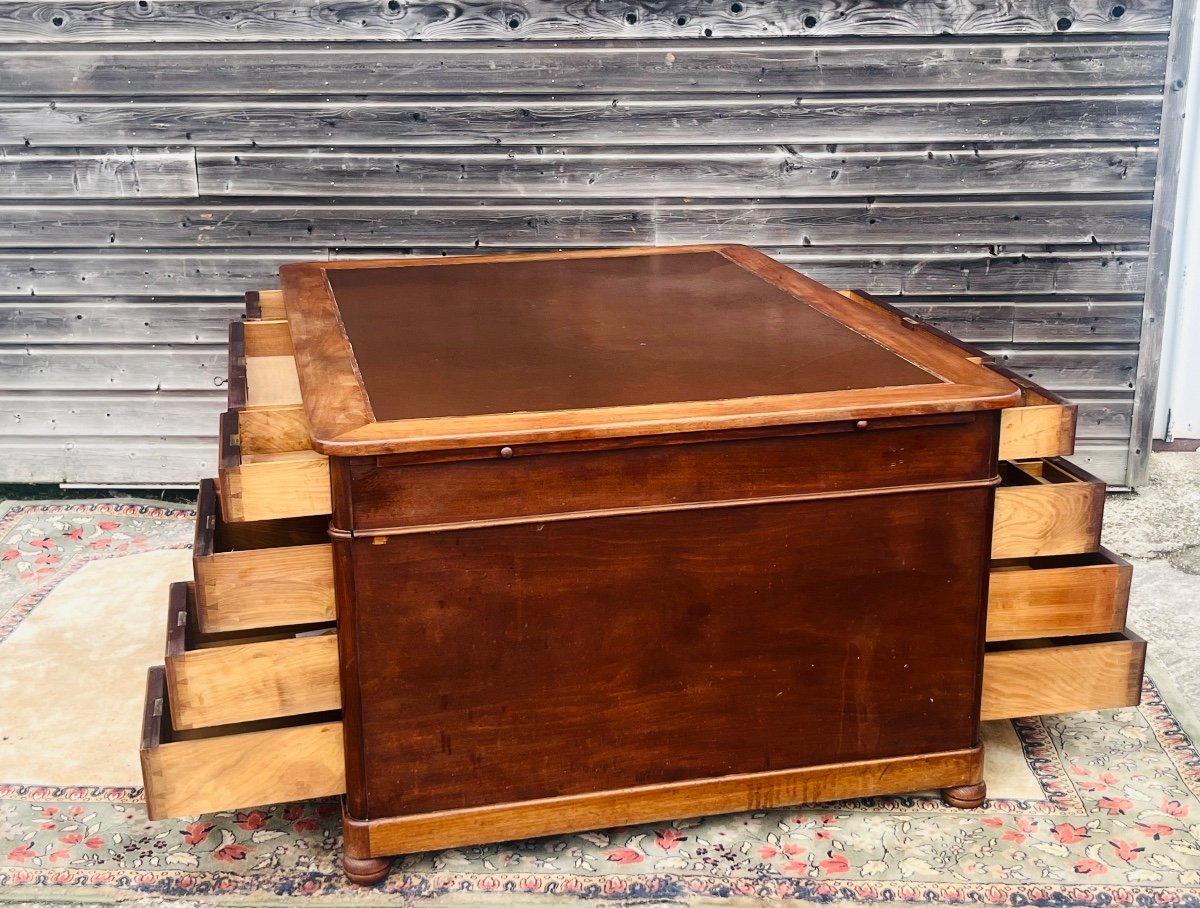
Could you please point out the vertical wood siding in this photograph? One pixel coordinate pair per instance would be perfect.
(988, 166)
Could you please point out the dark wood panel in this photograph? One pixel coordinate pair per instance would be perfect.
(740, 172)
(597, 66)
(90, 174)
(70, 415)
(504, 224)
(732, 668)
(119, 321)
(675, 120)
(329, 20)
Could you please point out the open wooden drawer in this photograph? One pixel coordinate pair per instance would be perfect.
(1062, 675)
(268, 468)
(219, 679)
(262, 370)
(1042, 426)
(191, 772)
(258, 574)
(1046, 507)
(1058, 596)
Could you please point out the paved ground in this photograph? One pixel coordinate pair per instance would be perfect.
(1158, 529)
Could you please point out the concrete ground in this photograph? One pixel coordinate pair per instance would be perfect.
(1158, 529)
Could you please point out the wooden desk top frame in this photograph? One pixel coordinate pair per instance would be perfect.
(342, 422)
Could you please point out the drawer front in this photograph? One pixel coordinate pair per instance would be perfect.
(220, 679)
(548, 479)
(259, 484)
(1058, 596)
(1043, 426)
(1062, 675)
(260, 574)
(1046, 507)
(189, 773)
(262, 370)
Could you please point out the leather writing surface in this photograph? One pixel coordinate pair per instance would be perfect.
(506, 337)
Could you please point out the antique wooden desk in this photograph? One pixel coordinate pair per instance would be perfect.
(519, 546)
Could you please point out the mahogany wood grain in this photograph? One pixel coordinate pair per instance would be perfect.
(661, 647)
(1058, 596)
(1062, 674)
(190, 773)
(650, 803)
(259, 574)
(1047, 507)
(224, 679)
(530, 480)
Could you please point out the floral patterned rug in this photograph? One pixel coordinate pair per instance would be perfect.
(1110, 813)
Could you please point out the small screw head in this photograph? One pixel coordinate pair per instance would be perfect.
(506, 452)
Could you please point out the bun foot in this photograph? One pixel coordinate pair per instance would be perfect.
(365, 871)
(965, 797)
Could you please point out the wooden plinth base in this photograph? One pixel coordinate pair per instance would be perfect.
(956, 772)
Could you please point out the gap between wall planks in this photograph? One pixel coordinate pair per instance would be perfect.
(1027, 140)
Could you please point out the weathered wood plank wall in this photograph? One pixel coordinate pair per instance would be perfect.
(991, 167)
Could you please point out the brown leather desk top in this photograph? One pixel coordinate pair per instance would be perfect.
(426, 354)
(509, 336)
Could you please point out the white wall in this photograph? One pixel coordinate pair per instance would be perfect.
(1177, 409)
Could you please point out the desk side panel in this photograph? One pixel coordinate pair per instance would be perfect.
(521, 661)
